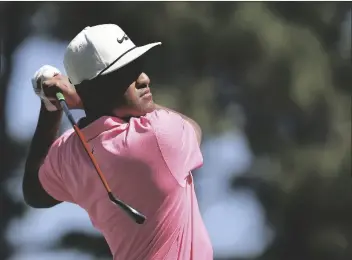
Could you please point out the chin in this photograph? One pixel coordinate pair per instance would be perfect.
(148, 108)
(143, 110)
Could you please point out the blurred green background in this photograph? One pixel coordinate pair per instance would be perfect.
(270, 85)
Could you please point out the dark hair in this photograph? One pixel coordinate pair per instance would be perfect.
(106, 92)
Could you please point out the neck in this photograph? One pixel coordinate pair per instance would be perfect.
(93, 114)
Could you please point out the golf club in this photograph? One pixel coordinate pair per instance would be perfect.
(134, 214)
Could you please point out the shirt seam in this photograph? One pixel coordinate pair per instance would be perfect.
(162, 156)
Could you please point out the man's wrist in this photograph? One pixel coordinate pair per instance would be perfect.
(49, 121)
(50, 115)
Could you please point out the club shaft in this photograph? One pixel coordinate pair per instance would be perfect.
(133, 213)
(84, 143)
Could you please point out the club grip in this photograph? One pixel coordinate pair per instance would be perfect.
(138, 217)
(60, 97)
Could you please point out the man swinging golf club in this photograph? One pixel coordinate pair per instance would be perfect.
(144, 153)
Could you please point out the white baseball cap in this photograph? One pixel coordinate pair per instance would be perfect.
(99, 50)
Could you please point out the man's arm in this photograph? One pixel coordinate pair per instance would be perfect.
(194, 124)
(45, 134)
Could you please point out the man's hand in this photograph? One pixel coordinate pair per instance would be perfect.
(60, 83)
(47, 81)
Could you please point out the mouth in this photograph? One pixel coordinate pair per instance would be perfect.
(146, 93)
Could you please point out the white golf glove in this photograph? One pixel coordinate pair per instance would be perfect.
(44, 73)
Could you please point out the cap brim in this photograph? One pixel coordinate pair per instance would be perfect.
(130, 56)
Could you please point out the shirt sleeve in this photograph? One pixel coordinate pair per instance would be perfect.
(50, 174)
(177, 142)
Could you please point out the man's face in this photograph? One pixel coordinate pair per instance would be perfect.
(138, 97)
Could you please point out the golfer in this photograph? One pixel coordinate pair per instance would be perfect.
(146, 152)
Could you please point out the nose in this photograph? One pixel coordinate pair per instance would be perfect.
(142, 81)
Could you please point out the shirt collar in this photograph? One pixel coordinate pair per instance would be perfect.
(100, 125)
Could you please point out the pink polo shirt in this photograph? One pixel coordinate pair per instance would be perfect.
(147, 163)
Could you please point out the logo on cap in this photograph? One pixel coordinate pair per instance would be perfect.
(124, 37)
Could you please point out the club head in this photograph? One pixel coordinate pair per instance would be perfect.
(138, 217)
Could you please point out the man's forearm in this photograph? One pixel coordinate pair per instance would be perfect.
(44, 136)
